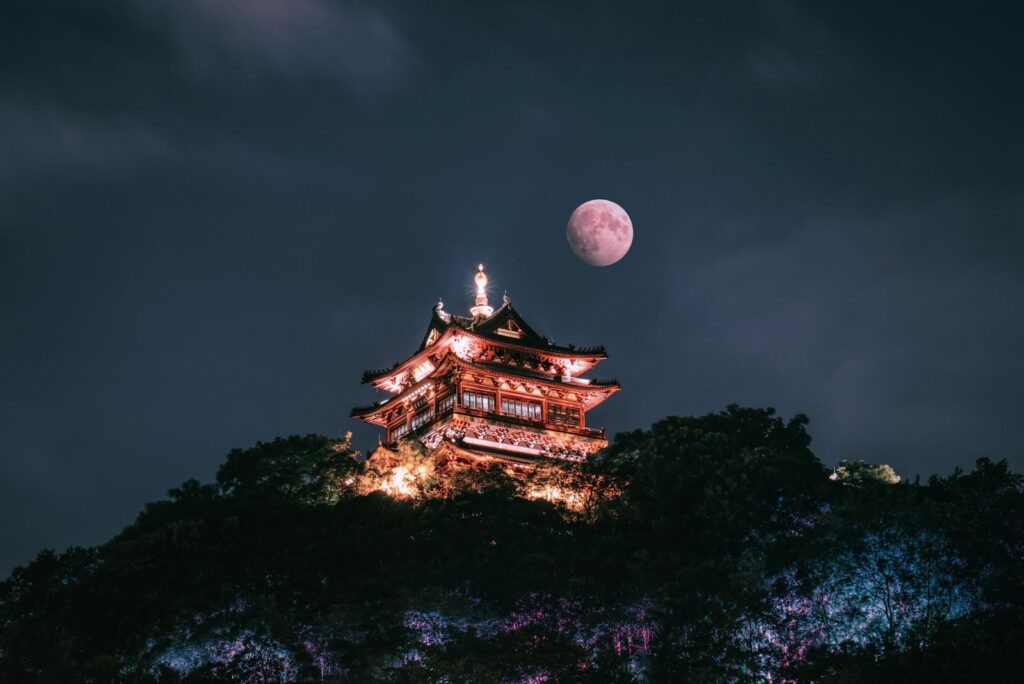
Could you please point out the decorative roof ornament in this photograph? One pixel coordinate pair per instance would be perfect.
(481, 309)
(439, 309)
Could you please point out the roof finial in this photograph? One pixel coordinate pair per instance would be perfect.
(481, 308)
(441, 313)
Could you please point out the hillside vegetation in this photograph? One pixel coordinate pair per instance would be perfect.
(705, 549)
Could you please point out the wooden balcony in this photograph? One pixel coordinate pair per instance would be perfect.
(459, 409)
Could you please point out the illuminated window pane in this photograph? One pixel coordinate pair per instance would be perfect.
(399, 430)
(478, 400)
(421, 419)
(529, 410)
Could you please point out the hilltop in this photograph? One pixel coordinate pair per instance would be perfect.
(712, 548)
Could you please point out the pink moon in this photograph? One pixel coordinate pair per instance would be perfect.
(599, 232)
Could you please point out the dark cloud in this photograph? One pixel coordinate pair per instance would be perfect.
(214, 216)
(40, 138)
(352, 44)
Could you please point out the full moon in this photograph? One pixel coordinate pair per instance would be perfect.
(599, 232)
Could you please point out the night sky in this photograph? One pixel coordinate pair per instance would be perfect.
(215, 214)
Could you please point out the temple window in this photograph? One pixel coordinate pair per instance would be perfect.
(399, 430)
(567, 415)
(530, 410)
(478, 400)
(421, 419)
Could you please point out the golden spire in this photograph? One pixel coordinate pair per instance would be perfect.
(481, 308)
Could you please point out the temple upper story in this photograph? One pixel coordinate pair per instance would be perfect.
(491, 385)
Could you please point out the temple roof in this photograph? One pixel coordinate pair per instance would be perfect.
(595, 391)
(504, 324)
(507, 326)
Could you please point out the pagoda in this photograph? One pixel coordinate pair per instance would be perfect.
(487, 386)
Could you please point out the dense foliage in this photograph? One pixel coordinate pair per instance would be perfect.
(707, 549)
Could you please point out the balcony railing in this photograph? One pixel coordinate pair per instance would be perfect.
(425, 420)
(517, 420)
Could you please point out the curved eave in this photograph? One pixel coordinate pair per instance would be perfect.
(371, 375)
(364, 411)
(468, 325)
(368, 412)
(379, 381)
(591, 354)
(597, 391)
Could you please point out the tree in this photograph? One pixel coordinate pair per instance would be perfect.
(859, 474)
(704, 549)
(311, 469)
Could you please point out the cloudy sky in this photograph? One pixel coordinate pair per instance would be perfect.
(215, 214)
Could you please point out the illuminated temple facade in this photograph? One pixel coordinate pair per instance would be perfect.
(487, 386)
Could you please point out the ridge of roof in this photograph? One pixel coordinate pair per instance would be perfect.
(370, 375)
(502, 369)
(532, 341)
